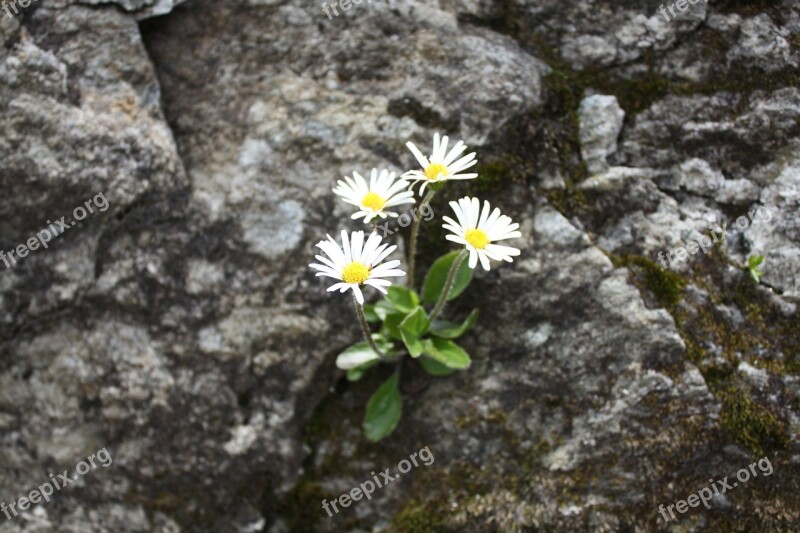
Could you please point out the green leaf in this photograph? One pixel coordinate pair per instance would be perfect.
(403, 299)
(411, 329)
(434, 368)
(383, 309)
(450, 330)
(361, 353)
(370, 314)
(354, 374)
(447, 353)
(383, 410)
(391, 325)
(752, 266)
(437, 276)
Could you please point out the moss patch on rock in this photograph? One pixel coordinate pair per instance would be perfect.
(664, 285)
(751, 423)
(416, 518)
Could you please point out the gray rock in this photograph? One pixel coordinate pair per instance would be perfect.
(181, 329)
(697, 176)
(601, 122)
(764, 44)
(777, 235)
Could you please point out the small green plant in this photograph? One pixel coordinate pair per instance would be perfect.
(753, 262)
(409, 321)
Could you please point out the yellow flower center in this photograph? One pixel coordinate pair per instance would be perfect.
(373, 201)
(355, 272)
(476, 238)
(434, 169)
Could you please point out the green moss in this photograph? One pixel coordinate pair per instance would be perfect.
(751, 423)
(416, 518)
(766, 329)
(492, 176)
(564, 90)
(535, 455)
(567, 200)
(465, 422)
(569, 85)
(301, 505)
(637, 93)
(462, 482)
(666, 286)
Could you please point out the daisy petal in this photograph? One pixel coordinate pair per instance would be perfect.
(359, 295)
(473, 257)
(423, 161)
(484, 260)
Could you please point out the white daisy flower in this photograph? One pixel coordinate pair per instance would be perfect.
(372, 200)
(357, 263)
(441, 165)
(478, 230)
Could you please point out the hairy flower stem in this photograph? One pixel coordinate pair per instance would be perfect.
(412, 243)
(365, 327)
(448, 284)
